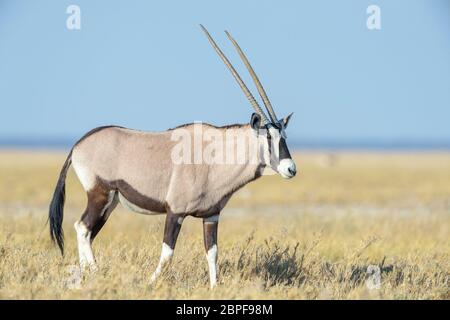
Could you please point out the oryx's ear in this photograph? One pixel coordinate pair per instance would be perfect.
(285, 120)
(255, 121)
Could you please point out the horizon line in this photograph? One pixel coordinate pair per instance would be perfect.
(296, 144)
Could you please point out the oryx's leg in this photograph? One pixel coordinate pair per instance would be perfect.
(210, 225)
(171, 230)
(101, 203)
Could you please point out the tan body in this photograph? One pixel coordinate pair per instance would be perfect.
(139, 166)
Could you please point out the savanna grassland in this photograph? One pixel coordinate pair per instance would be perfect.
(317, 236)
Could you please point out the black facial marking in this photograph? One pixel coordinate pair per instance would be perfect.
(269, 141)
(284, 151)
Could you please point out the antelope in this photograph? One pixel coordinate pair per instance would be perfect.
(115, 164)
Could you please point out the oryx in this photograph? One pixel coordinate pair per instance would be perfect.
(136, 168)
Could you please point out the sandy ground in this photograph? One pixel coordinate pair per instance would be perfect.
(319, 235)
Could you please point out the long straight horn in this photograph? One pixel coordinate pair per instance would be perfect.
(258, 84)
(236, 76)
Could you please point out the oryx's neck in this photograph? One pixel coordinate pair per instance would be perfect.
(207, 185)
(243, 161)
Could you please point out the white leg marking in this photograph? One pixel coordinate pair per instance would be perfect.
(84, 246)
(166, 255)
(211, 256)
(180, 220)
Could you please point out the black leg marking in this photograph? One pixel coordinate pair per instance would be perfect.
(101, 202)
(100, 205)
(210, 229)
(171, 230)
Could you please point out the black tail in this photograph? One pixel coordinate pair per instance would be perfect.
(56, 210)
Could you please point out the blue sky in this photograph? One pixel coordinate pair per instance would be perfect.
(147, 65)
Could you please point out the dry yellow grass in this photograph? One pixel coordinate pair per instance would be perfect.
(310, 237)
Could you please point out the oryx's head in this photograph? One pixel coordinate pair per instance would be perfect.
(270, 131)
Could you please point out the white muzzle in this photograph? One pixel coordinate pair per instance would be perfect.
(287, 168)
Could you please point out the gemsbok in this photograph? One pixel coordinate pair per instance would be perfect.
(137, 169)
